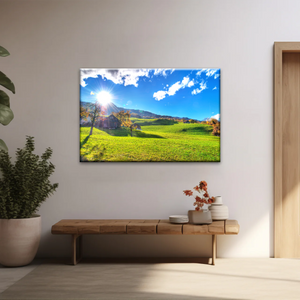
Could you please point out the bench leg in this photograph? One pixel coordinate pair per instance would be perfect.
(76, 251)
(214, 249)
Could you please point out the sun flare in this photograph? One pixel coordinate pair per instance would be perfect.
(104, 97)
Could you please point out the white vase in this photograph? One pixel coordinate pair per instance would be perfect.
(19, 240)
(219, 212)
(218, 200)
(199, 217)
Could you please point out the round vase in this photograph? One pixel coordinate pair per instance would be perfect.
(19, 240)
(219, 212)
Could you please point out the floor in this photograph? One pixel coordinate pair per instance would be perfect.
(265, 278)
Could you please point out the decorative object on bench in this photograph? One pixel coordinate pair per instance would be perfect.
(179, 219)
(24, 185)
(77, 228)
(202, 216)
(218, 210)
(6, 114)
(199, 215)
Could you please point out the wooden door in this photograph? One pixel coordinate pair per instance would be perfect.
(287, 150)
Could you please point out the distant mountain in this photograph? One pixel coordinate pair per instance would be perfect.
(143, 114)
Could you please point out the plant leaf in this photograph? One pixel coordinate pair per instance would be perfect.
(6, 114)
(6, 82)
(4, 98)
(3, 145)
(3, 52)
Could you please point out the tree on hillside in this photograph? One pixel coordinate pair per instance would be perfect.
(216, 130)
(123, 117)
(134, 126)
(216, 127)
(83, 113)
(192, 121)
(94, 112)
(214, 121)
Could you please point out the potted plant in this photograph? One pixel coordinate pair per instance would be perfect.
(24, 185)
(200, 215)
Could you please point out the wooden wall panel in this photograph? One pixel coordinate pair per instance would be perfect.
(286, 149)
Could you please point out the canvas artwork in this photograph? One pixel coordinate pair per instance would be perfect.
(150, 115)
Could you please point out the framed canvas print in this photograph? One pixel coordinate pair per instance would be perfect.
(150, 115)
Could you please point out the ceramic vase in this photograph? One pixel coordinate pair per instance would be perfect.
(200, 217)
(218, 210)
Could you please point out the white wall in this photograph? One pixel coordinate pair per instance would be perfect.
(50, 40)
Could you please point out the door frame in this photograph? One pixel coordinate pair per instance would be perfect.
(279, 49)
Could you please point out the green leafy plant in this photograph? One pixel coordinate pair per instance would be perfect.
(25, 184)
(6, 114)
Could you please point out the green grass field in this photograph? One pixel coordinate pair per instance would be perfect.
(177, 142)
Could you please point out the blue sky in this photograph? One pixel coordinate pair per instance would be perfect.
(193, 93)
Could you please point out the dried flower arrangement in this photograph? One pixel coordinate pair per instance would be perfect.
(204, 196)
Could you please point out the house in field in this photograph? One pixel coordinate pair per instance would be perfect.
(110, 122)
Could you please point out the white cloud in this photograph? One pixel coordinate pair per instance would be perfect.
(201, 88)
(185, 81)
(118, 76)
(217, 117)
(216, 76)
(191, 83)
(200, 72)
(172, 89)
(159, 95)
(211, 72)
(208, 72)
(215, 88)
(163, 72)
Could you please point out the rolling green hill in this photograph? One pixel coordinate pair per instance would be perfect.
(156, 142)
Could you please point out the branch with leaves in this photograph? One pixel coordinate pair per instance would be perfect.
(204, 197)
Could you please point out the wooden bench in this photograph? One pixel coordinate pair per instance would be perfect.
(77, 228)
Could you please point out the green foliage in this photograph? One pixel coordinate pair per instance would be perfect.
(6, 114)
(3, 145)
(6, 82)
(3, 52)
(4, 99)
(25, 184)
